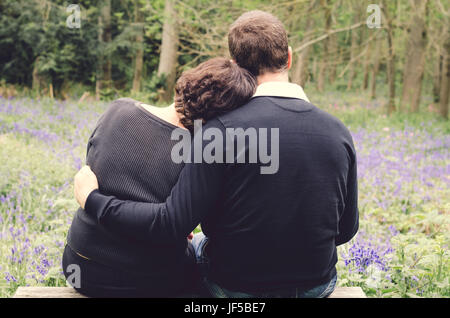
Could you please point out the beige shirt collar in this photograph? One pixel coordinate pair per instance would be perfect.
(281, 89)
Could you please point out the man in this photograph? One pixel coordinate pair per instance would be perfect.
(267, 234)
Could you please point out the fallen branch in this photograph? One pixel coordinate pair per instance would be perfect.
(83, 97)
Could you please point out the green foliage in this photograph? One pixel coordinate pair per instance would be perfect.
(152, 89)
(34, 37)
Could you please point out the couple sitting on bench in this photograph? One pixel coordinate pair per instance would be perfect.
(270, 178)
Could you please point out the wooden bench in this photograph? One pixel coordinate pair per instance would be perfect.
(69, 292)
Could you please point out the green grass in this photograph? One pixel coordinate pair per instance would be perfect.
(403, 193)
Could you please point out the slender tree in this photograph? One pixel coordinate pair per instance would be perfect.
(367, 59)
(445, 82)
(169, 46)
(300, 69)
(437, 75)
(104, 66)
(107, 38)
(332, 54)
(36, 84)
(354, 44)
(391, 57)
(139, 57)
(376, 66)
(415, 57)
(326, 5)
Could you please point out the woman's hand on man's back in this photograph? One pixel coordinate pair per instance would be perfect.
(85, 182)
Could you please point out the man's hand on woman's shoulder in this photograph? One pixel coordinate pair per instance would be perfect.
(85, 182)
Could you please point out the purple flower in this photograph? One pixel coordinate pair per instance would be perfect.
(9, 278)
(393, 230)
(364, 253)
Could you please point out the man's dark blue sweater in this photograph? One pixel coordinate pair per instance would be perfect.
(266, 231)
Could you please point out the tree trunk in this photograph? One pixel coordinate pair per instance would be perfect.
(354, 45)
(139, 58)
(366, 73)
(107, 37)
(103, 72)
(445, 82)
(391, 74)
(169, 47)
(36, 85)
(367, 66)
(314, 69)
(351, 73)
(437, 76)
(300, 69)
(321, 76)
(375, 68)
(99, 70)
(415, 57)
(326, 47)
(333, 57)
(390, 59)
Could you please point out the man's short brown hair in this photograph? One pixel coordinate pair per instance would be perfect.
(258, 42)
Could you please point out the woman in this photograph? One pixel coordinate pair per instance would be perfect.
(130, 152)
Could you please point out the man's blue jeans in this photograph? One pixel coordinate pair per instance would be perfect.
(199, 242)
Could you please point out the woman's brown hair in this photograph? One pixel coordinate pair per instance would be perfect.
(213, 88)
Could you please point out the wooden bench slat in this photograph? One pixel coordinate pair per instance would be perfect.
(348, 292)
(47, 292)
(69, 292)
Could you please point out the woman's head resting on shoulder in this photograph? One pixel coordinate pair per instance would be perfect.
(213, 88)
